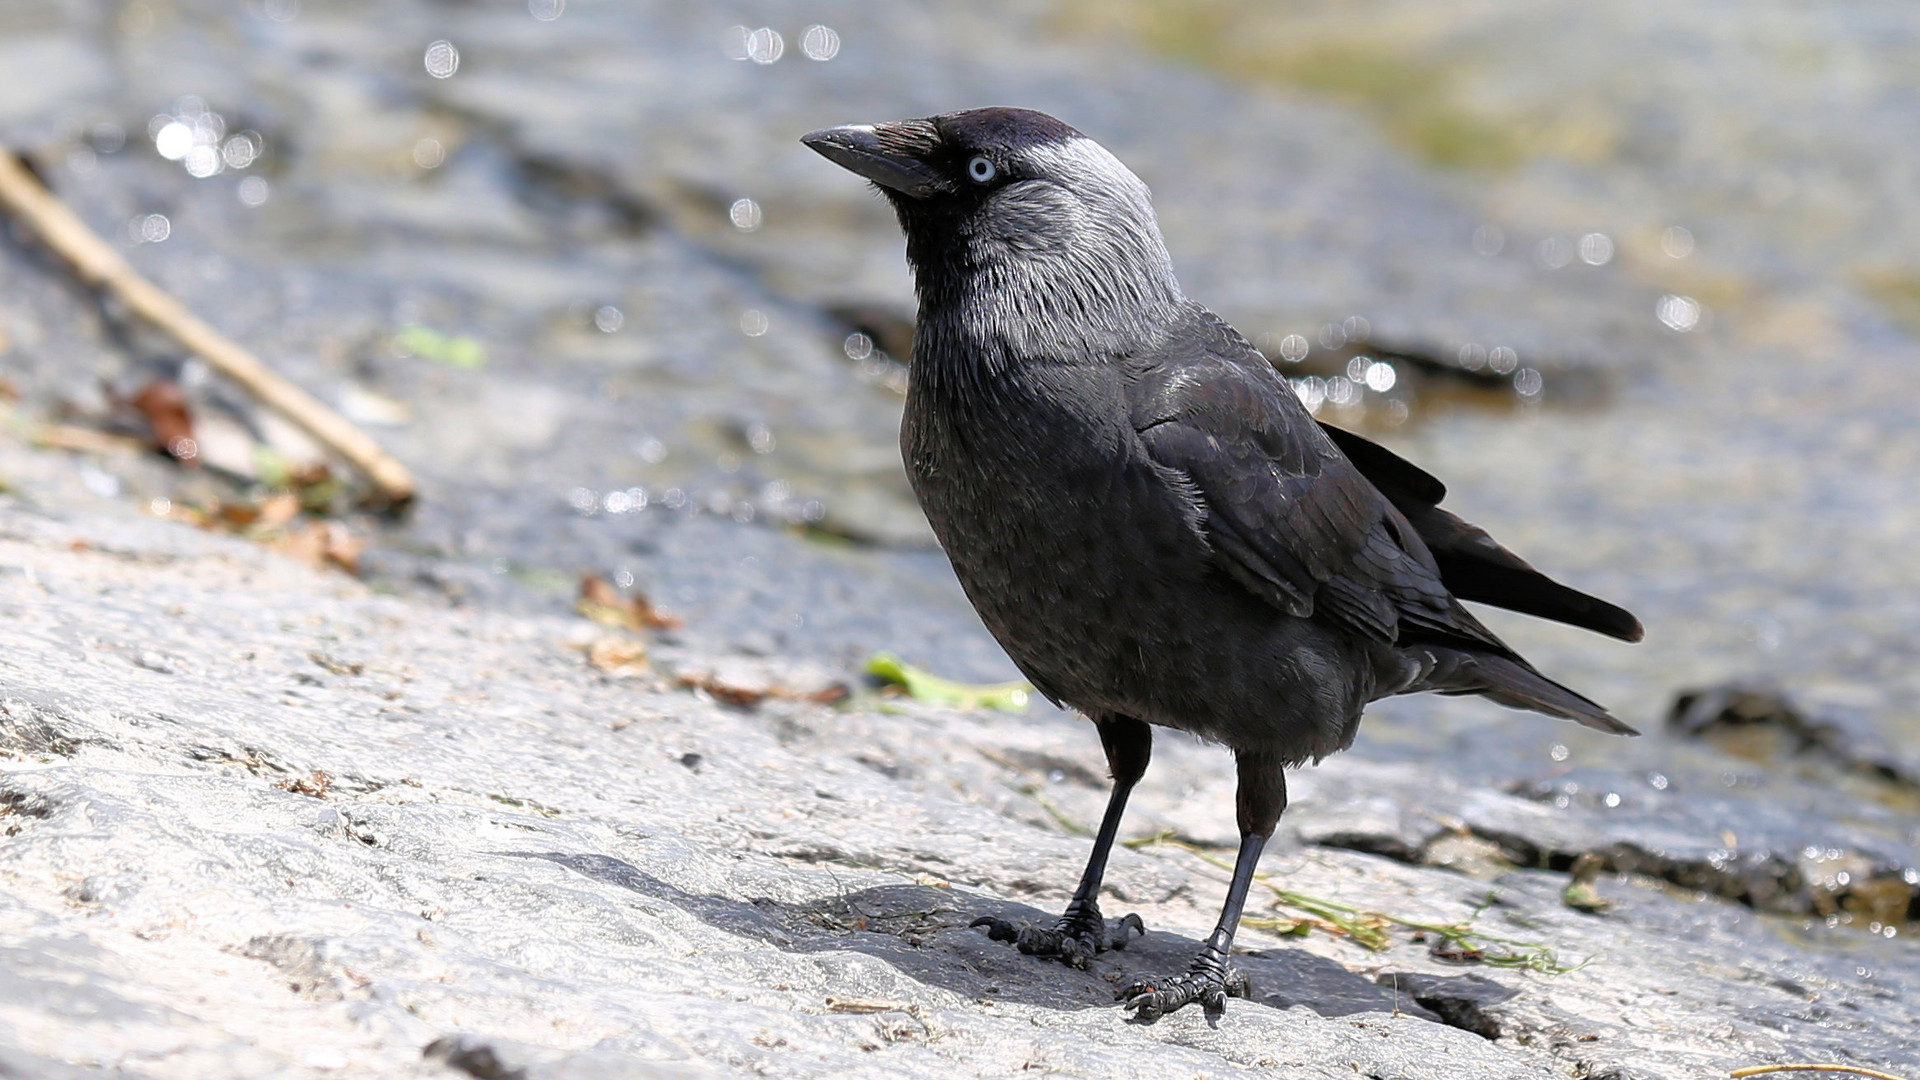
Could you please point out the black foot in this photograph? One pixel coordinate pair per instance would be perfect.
(1207, 981)
(1079, 935)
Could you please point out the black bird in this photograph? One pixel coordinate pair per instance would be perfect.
(1146, 516)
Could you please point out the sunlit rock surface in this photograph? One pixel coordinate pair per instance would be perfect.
(259, 820)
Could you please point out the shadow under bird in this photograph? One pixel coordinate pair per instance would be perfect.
(1145, 515)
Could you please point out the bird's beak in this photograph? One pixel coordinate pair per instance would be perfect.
(891, 155)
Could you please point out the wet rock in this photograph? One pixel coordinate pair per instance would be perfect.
(1764, 724)
(1860, 867)
(1749, 721)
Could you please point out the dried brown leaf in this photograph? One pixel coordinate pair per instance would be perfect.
(618, 655)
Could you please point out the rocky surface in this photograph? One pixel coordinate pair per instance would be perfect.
(263, 821)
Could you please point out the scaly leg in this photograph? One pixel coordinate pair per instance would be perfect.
(1210, 979)
(1082, 932)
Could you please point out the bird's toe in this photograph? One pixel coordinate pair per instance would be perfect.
(1207, 982)
(1075, 939)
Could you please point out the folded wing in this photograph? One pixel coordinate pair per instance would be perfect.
(1351, 539)
(1286, 513)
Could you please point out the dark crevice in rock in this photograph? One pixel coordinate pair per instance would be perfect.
(1463, 1001)
(1388, 847)
(474, 1057)
(26, 730)
(18, 806)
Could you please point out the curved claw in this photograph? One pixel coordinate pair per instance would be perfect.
(1078, 936)
(1208, 982)
(997, 929)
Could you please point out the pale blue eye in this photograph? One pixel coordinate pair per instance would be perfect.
(982, 170)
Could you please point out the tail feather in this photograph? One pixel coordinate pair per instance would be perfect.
(1472, 565)
(1515, 684)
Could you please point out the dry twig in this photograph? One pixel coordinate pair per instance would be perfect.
(1802, 1066)
(99, 266)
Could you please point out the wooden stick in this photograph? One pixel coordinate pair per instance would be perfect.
(99, 266)
(1853, 1070)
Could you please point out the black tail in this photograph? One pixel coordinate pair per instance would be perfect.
(1473, 566)
(1513, 683)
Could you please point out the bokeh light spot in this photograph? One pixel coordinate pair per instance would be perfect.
(242, 150)
(1678, 313)
(203, 161)
(1312, 391)
(442, 59)
(820, 42)
(149, 228)
(765, 45)
(173, 140)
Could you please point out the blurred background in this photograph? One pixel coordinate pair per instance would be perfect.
(1639, 280)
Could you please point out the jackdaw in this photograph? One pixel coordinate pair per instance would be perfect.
(1146, 516)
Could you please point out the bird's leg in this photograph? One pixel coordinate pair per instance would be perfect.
(1082, 932)
(1210, 979)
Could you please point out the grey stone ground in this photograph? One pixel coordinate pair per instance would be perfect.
(517, 865)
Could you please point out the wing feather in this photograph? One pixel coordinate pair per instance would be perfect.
(1288, 516)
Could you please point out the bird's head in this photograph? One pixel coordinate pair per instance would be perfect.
(1012, 209)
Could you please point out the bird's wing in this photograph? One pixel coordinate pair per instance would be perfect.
(1286, 514)
(1472, 564)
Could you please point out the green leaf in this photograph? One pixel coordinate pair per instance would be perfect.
(429, 344)
(921, 686)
